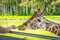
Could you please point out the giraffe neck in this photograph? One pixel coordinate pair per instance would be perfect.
(49, 26)
(52, 27)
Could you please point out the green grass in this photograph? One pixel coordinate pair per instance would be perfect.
(19, 20)
(6, 21)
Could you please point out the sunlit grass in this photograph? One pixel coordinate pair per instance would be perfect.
(6, 21)
(19, 20)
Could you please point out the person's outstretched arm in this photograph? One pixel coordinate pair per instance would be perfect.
(7, 30)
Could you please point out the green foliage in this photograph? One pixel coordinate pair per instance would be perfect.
(52, 14)
(19, 27)
(22, 8)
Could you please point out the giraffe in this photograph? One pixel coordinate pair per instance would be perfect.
(38, 21)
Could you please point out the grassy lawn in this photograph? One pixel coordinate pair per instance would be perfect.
(28, 34)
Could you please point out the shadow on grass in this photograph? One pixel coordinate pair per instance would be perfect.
(9, 38)
(36, 35)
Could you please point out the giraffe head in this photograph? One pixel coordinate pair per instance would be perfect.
(37, 10)
(40, 13)
(36, 18)
(40, 18)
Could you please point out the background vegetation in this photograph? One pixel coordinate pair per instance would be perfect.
(27, 7)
